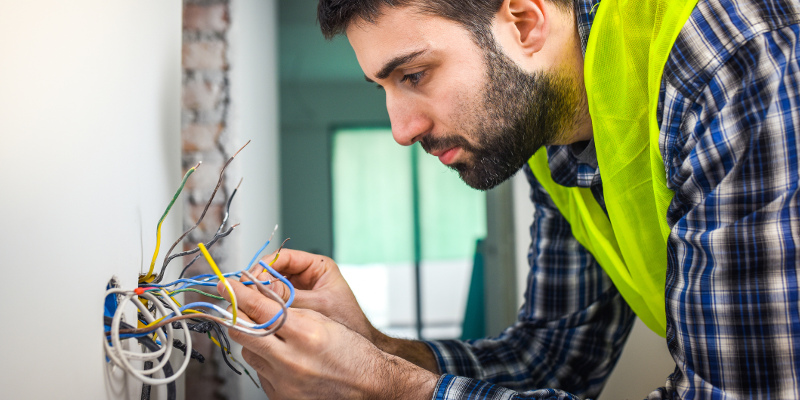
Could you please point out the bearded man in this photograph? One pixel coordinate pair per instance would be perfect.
(659, 138)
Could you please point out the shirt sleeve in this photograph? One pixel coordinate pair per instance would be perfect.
(733, 306)
(569, 332)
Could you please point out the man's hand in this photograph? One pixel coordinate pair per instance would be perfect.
(319, 286)
(314, 357)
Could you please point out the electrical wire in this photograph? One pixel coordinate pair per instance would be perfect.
(241, 326)
(280, 277)
(152, 346)
(222, 279)
(121, 357)
(182, 347)
(203, 214)
(160, 315)
(207, 280)
(278, 253)
(164, 216)
(173, 293)
(261, 250)
(164, 350)
(224, 352)
(217, 236)
(228, 206)
(228, 356)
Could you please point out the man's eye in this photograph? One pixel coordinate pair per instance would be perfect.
(414, 78)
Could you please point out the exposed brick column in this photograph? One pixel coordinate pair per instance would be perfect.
(205, 137)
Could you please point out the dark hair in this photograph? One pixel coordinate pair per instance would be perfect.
(476, 16)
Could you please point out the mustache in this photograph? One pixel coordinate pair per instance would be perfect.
(431, 144)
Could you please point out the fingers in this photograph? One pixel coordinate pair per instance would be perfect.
(241, 317)
(258, 307)
(302, 298)
(305, 269)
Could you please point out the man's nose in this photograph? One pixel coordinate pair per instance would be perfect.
(409, 120)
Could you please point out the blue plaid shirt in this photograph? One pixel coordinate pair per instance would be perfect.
(729, 110)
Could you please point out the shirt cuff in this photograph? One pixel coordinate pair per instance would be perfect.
(450, 387)
(455, 357)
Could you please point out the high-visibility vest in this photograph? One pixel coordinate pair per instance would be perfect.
(628, 47)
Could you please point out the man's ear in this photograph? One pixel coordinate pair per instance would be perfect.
(526, 21)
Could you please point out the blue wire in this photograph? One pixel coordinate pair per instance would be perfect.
(194, 281)
(266, 324)
(288, 303)
(282, 279)
(258, 253)
(274, 318)
(214, 307)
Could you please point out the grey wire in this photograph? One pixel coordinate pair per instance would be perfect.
(203, 214)
(209, 244)
(272, 295)
(195, 250)
(228, 207)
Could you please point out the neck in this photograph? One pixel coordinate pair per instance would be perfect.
(571, 61)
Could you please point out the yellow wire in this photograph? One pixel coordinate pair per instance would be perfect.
(155, 334)
(230, 355)
(221, 278)
(189, 311)
(149, 276)
(273, 260)
(218, 344)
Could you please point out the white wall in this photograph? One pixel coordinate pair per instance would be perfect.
(645, 362)
(89, 130)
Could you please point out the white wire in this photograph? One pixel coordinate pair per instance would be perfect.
(187, 337)
(112, 353)
(121, 357)
(165, 350)
(126, 364)
(124, 355)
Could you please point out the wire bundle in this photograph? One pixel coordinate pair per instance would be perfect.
(160, 316)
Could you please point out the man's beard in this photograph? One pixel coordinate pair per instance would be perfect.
(519, 113)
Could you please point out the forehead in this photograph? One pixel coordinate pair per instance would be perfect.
(401, 31)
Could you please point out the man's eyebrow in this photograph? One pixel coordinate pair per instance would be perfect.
(392, 64)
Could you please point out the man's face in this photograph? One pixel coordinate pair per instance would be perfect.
(472, 107)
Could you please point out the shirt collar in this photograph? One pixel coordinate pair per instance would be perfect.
(576, 164)
(584, 17)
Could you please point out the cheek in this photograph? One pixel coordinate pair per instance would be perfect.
(464, 109)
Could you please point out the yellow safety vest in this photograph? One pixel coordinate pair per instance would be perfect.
(628, 47)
